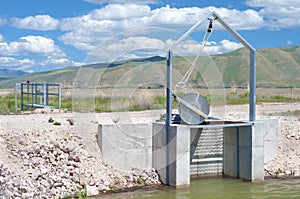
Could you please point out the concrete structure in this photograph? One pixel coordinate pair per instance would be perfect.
(171, 154)
(239, 149)
(126, 146)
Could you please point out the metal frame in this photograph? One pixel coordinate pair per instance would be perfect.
(252, 97)
(35, 91)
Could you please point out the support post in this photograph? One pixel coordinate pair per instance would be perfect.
(32, 94)
(16, 97)
(252, 106)
(47, 95)
(22, 97)
(59, 96)
(168, 108)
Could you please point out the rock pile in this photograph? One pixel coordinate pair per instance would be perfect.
(58, 169)
(287, 160)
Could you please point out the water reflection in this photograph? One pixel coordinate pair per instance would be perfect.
(220, 188)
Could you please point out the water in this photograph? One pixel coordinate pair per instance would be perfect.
(220, 189)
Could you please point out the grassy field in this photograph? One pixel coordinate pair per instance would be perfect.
(149, 99)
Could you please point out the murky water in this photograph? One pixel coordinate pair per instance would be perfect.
(221, 189)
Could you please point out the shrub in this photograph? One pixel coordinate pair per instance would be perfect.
(50, 120)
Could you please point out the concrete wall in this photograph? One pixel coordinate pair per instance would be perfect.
(270, 130)
(187, 150)
(243, 152)
(126, 146)
(171, 154)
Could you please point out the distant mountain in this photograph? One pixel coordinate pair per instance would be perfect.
(11, 73)
(276, 67)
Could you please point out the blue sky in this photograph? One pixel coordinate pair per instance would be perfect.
(39, 35)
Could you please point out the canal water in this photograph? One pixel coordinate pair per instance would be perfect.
(220, 189)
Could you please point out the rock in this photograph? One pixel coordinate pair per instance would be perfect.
(288, 172)
(21, 139)
(92, 190)
(103, 187)
(92, 182)
(36, 174)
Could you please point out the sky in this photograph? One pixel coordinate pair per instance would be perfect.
(42, 35)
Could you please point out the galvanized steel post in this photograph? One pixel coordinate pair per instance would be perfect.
(168, 109)
(252, 106)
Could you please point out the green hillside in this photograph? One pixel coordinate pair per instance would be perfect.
(276, 67)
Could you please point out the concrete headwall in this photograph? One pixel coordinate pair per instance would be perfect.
(270, 131)
(235, 150)
(126, 146)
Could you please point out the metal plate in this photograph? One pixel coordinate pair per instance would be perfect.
(197, 101)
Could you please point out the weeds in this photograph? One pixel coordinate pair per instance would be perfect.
(56, 123)
(140, 181)
(82, 193)
(139, 102)
(50, 120)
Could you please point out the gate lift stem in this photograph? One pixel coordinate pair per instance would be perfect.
(252, 97)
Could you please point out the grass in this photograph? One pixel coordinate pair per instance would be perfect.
(7, 104)
(144, 101)
(82, 193)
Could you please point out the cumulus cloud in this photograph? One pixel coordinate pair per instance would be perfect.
(38, 22)
(189, 48)
(36, 45)
(87, 31)
(122, 1)
(120, 11)
(127, 48)
(138, 47)
(267, 3)
(278, 14)
(11, 62)
(39, 51)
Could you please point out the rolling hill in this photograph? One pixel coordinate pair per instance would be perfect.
(276, 67)
(11, 73)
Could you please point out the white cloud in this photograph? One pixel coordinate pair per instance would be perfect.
(38, 22)
(289, 42)
(278, 14)
(14, 62)
(36, 45)
(123, 1)
(87, 31)
(241, 20)
(275, 3)
(128, 48)
(120, 11)
(189, 48)
(227, 46)
(139, 47)
(39, 52)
